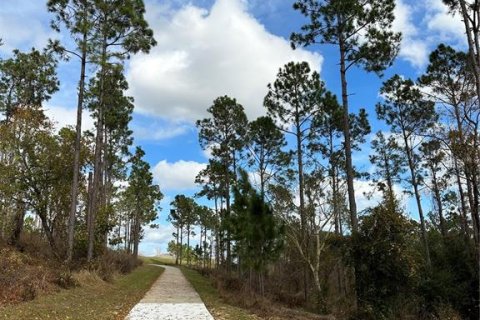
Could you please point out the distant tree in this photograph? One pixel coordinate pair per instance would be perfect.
(142, 195)
(186, 210)
(174, 219)
(206, 221)
(389, 164)
(434, 158)
(212, 182)
(224, 134)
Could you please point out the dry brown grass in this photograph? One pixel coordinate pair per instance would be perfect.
(95, 299)
(86, 278)
(23, 277)
(228, 299)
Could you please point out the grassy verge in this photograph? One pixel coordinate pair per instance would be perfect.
(160, 260)
(96, 300)
(217, 306)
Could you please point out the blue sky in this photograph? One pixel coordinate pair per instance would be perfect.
(209, 48)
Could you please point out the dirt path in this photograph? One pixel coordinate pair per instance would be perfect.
(170, 298)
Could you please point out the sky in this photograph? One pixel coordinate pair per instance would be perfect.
(211, 48)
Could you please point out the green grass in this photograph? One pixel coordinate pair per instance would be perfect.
(160, 260)
(212, 299)
(98, 300)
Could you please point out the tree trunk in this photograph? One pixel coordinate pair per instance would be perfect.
(76, 161)
(348, 156)
(97, 174)
(302, 198)
(18, 222)
(90, 217)
(413, 175)
(176, 246)
(181, 244)
(188, 244)
(347, 141)
(227, 213)
(463, 205)
(461, 142)
(136, 234)
(438, 199)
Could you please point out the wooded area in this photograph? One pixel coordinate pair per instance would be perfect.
(283, 223)
(297, 236)
(83, 192)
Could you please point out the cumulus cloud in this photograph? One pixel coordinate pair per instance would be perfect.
(23, 24)
(177, 176)
(204, 54)
(412, 49)
(423, 26)
(445, 25)
(155, 240)
(160, 130)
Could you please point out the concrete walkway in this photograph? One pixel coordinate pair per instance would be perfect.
(170, 298)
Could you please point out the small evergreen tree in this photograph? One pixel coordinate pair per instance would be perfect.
(258, 233)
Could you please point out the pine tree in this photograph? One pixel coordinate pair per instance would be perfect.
(186, 211)
(410, 116)
(142, 196)
(121, 30)
(225, 134)
(265, 143)
(389, 164)
(293, 101)
(258, 234)
(78, 18)
(362, 32)
(451, 81)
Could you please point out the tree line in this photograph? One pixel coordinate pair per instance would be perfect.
(296, 234)
(88, 190)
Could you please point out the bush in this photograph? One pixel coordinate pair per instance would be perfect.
(112, 262)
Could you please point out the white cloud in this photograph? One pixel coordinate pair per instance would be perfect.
(424, 25)
(368, 196)
(156, 240)
(161, 234)
(177, 176)
(440, 21)
(24, 24)
(156, 130)
(63, 117)
(205, 54)
(412, 49)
